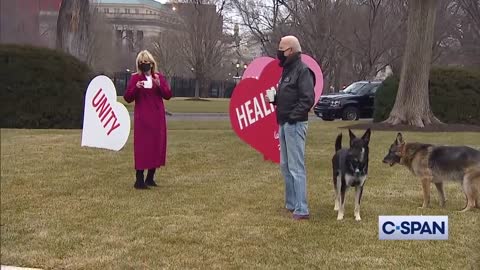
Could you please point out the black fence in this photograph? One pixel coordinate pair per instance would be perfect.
(120, 80)
(181, 87)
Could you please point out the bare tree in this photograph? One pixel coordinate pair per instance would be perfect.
(316, 23)
(355, 39)
(444, 33)
(101, 56)
(345, 48)
(203, 42)
(468, 31)
(165, 49)
(455, 36)
(73, 28)
(374, 36)
(313, 22)
(412, 105)
(472, 9)
(264, 20)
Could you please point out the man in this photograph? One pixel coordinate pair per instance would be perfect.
(293, 101)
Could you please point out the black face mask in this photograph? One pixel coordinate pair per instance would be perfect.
(144, 67)
(281, 56)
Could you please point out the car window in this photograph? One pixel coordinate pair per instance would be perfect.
(366, 89)
(374, 89)
(354, 88)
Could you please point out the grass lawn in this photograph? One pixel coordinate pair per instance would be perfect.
(219, 206)
(183, 105)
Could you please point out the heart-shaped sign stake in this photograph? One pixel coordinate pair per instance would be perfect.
(106, 122)
(254, 119)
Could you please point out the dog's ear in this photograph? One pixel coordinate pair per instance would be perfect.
(399, 139)
(366, 136)
(338, 142)
(352, 136)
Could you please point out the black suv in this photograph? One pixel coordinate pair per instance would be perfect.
(354, 102)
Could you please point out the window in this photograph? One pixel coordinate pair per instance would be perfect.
(117, 10)
(127, 11)
(137, 10)
(354, 88)
(129, 37)
(105, 10)
(139, 35)
(374, 90)
(140, 38)
(119, 35)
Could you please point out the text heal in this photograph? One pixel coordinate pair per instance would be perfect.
(253, 110)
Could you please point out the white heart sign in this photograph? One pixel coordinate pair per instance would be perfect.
(106, 122)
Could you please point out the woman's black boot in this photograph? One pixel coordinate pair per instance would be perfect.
(149, 181)
(139, 183)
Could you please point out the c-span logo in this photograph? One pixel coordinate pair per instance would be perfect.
(413, 227)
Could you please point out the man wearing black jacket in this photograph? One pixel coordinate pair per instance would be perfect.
(294, 99)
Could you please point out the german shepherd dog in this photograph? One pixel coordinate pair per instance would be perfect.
(350, 169)
(438, 164)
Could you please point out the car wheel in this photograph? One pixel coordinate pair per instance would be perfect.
(350, 114)
(327, 119)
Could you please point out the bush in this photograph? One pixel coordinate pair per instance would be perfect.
(41, 88)
(454, 96)
(385, 98)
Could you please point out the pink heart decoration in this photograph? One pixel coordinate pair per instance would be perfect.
(255, 68)
(313, 65)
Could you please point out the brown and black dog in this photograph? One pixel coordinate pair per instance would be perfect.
(438, 164)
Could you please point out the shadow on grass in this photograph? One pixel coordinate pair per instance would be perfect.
(428, 128)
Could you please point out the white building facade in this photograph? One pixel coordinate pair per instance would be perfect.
(136, 23)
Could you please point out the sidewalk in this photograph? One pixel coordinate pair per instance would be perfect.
(4, 267)
(198, 116)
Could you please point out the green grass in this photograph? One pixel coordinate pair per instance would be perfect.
(183, 105)
(219, 206)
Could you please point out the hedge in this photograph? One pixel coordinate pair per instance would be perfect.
(41, 88)
(454, 96)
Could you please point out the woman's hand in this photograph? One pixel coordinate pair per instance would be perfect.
(140, 84)
(156, 80)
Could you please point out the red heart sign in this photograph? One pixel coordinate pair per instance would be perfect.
(258, 65)
(252, 117)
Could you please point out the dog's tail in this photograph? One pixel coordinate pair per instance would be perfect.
(338, 142)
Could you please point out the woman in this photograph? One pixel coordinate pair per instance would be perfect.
(148, 88)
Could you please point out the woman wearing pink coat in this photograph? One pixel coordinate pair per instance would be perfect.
(148, 88)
